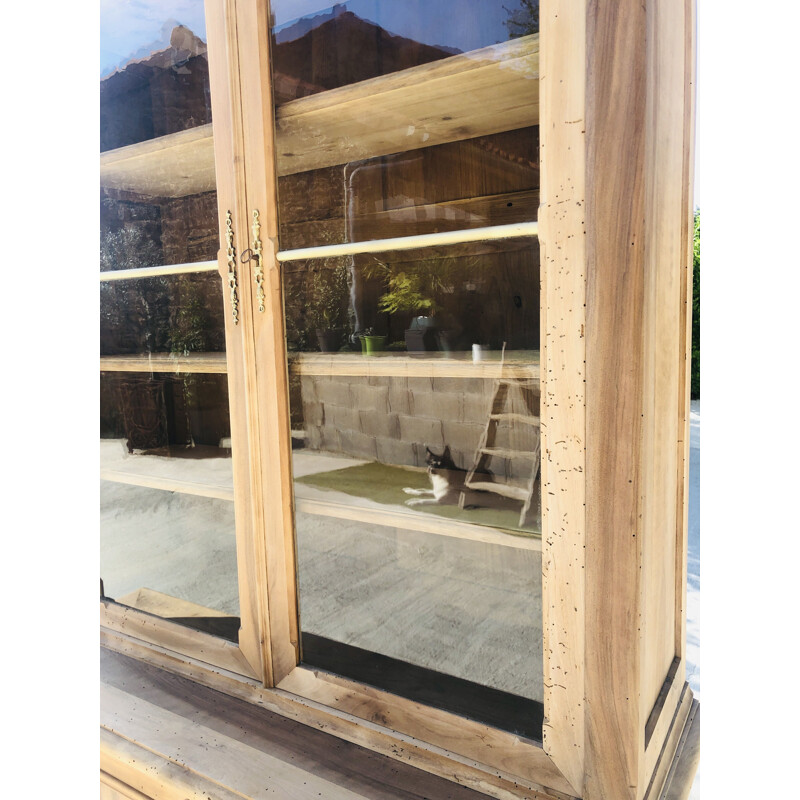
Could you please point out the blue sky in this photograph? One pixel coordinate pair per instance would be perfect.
(134, 28)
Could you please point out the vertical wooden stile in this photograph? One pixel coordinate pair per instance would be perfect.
(270, 398)
(562, 220)
(230, 181)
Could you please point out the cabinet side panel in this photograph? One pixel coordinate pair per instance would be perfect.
(616, 41)
(663, 358)
(562, 218)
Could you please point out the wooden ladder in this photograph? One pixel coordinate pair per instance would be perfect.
(476, 477)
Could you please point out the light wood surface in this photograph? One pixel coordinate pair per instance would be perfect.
(407, 520)
(155, 272)
(616, 39)
(164, 605)
(664, 270)
(514, 757)
(414, 242)
(113, 789)
(174, 637)
(517, 364)
(485, 91)
(223, 74)
(562, 244)
(204, 477)
(175, 165)
(637, 143)
(685, 346)
(658, 775)
(167, 363)
(616, 182)
(267, 389)
(399, 747)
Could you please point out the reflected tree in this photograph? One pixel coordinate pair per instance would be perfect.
(524, 20)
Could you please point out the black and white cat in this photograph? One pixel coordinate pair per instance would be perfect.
(447, 481)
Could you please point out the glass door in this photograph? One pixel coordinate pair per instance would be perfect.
(408, 185)
(168, 527)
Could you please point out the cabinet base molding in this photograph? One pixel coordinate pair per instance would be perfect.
(177, 680)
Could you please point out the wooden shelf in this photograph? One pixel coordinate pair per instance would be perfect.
(203, 477)
(167, 363)
(517, 364)
(175, 165)
(415, 521)
(486, 91)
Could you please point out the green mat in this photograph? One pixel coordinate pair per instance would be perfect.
(384, 484)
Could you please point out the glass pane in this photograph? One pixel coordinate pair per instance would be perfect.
(445, 620)
(153, 70)
(314, 45)
(415, 403)
(168, 543)
(170, 554)
(178, 314)
(395, 119)
(441, 301)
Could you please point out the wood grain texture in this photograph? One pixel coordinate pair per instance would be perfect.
(514, 757)
(175, 165)
(174, 637)
(167, 363)
(223, 73)
(616, 101)
(635, 353)
(268, 391)
(685, 346)
(517, 364)
(153, 775)
(483, 92)
(113, 789)
(245, 701)
(563, 256)
(668, 751)
(664, 269)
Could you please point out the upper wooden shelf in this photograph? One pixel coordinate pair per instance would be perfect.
(166, 362)
(204, 477)
(521, 364)
(486, 91)
(175, 165)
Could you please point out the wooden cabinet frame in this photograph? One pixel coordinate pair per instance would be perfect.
(616, 112)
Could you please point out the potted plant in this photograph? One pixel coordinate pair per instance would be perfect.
(370, 342)
(412, 287)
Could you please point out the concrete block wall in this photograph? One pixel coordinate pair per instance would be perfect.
(393, 419)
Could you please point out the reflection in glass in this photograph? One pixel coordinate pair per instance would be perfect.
(442, 300)
(169, 553)
(459, 607)
(314, 46)
(168, 544)
(167, 412)
(415, 405)
(154, 77)
(396, 119)
(176, 314)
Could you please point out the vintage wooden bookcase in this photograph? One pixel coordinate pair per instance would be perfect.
(607, 89)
